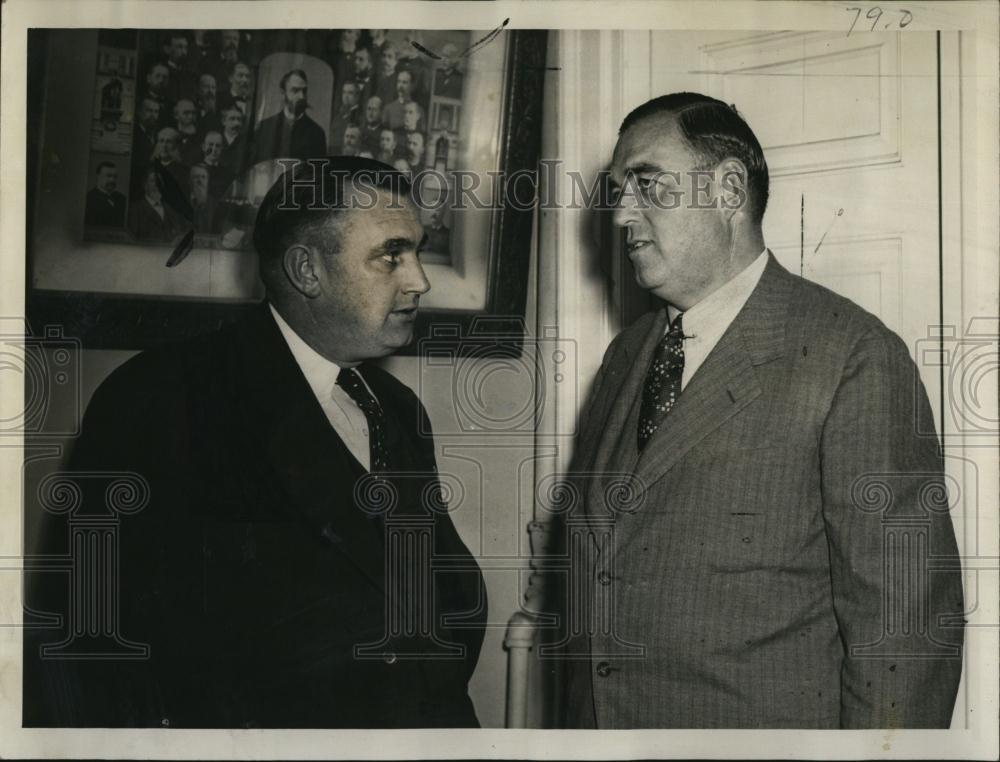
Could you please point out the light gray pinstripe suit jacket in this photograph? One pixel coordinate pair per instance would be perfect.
(762, 581)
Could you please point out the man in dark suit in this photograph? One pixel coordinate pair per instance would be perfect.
(167, 158)
(759, 419)
(388, 148)
(352, 141)
(448, 77)
(290, 133)
(105, 204)
(371, 130)
(144, 134)
(183, 82)
(348, 114)
(393, 112)
(152, 218)
(240, 92)
(209, 117)
(220, 62)
(188, 132)
(278, 573)
(158, 89)
(235, 146)
(386, 76)
(364, 77)
(341, 57)
(219, 177)
(204, 206)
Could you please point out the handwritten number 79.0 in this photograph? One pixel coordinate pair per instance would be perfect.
(875, 13)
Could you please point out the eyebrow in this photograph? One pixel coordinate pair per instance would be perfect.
(395, 244)
(642, 167)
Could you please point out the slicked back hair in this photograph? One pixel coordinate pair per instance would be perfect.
(288, 75)
(714, 131)
(306, 203)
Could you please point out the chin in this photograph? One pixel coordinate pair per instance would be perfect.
(644, 281)
(398, 340)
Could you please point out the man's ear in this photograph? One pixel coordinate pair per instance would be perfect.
(733, 194)
(299, 266)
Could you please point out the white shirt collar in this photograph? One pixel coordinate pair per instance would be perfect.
(722, 305)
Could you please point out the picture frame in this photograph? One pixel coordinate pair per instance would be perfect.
(110, 291)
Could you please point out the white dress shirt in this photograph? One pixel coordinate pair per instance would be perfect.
(347, 419)
(706, 321)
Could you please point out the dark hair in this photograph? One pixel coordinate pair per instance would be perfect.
(104, 164)
(156, 176)
(293, 73)
(714, 131)
(310, 195)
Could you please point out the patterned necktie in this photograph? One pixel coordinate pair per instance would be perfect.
(663, 381)
(351, 382)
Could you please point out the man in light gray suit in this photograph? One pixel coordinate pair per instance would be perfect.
(772, 570)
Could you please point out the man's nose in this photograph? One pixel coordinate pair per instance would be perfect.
(416, 279)
(625, 211)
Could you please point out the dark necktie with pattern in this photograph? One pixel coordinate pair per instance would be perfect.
(663, 381)
(351, 382)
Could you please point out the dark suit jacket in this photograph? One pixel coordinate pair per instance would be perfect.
(253, 573)
(105, 209)
(147, 225)
(307, 139)
(205, 216)
(235, 157)
(340, 122)
(758, 580)
(143, 144)
(225, 100)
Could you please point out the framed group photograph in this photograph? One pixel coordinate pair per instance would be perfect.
(150, 151)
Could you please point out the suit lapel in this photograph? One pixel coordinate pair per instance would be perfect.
(623, 389)
(726, 382)
(313, 465)
(722, 386)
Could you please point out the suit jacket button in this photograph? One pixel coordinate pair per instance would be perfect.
(389, 657)
(603, 577)
(603, 669)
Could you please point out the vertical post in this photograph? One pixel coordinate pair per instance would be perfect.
(518, 643)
